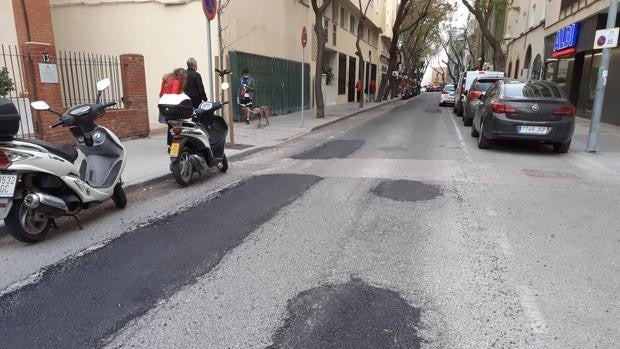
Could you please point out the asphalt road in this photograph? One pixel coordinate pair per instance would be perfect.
(388, 230)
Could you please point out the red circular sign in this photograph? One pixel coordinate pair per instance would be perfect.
(210, 8)
(304, 37)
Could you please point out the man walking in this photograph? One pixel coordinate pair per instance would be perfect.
(193, 86)
(246, 93)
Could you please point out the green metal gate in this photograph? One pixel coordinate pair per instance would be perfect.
(278, 82)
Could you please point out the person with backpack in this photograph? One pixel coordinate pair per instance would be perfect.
(246, 93)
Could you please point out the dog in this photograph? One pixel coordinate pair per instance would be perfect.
(260, 112)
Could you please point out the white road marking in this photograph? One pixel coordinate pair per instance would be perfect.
(531, 310)
(461, 140)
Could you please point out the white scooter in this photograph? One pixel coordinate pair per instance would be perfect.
(40, 181)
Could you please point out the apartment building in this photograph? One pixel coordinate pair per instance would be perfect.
(524, 38)
(263, 36)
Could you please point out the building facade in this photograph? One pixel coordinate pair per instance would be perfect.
(573, 63)
(264, 38)
(524, 39)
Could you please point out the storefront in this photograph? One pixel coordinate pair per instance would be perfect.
(573, 64)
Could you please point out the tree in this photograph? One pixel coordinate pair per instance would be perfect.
(6, 84)
(321, 37)
(358, 52)
(482, 10)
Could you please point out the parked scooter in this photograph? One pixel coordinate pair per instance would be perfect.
(198, 144)
(41, 181)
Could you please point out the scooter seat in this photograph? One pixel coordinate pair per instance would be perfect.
(65, 151)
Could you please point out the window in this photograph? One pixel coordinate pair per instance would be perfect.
(352, 24)
(326, 26)
(342, 74)
(334, 31)
(532, 90)
(342, 18)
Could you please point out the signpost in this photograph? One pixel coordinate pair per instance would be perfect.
(209, 7)
(304, 42)
(599, 97)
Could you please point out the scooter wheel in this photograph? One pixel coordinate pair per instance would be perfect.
(182, 169)
(119, 197)
(223, 165)
(27, 225)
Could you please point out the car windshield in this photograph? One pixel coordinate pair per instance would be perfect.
(532, 90)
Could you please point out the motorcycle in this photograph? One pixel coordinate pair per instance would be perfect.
(41, 181)
(197, 144)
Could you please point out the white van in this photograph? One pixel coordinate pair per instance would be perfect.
(465, 81)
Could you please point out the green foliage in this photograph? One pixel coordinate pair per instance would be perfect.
(6, 84)
(329, 73)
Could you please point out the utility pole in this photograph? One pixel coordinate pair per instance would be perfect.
(599, 98)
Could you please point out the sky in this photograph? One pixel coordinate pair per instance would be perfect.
(459, 20)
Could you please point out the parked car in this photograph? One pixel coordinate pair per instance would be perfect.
(529, 111)
(478, 88)
(447, 95)
(465, 81)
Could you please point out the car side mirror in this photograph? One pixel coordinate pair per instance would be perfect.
(40, 105)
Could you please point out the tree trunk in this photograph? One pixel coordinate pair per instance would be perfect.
(320, 54)
(387, 86)
(500, 59)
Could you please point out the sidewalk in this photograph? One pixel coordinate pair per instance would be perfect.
(148, 161)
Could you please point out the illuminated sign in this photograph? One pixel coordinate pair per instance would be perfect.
(566, 38)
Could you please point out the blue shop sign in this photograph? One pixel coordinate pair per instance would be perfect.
(566, 37)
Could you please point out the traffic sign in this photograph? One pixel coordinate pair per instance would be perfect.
(304, 37)
(210, 8)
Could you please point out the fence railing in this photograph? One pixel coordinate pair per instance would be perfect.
(78, 75)
(13, 87)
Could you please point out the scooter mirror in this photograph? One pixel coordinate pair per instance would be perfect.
(39, 105)
(225, 86)
(103, 84)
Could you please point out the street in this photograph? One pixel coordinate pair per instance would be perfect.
(389, 229)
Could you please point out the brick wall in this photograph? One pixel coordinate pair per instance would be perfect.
(33, 21)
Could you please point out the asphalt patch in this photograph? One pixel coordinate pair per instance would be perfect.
(351, 315)
(406, 190)
(81, 302)
(336, 149)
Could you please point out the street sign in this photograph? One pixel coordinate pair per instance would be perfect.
(210, 8)
(304, 37)
(606, 38)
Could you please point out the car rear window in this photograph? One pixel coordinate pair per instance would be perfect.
(532, 90)
(449, 88)
(485, 84)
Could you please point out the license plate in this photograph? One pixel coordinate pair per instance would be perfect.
(174, 149)
(7, 185)
(533, 130)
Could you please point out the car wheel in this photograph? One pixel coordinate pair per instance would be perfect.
(467, 121)
(474, 133)
(483, 141)
(561, 148)
(459, 110)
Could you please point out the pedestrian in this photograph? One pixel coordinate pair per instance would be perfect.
(194, 87)
(358, 89)
(373, 90)
(246, 93)
(172, 84)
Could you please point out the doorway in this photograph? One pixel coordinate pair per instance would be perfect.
(352, 63)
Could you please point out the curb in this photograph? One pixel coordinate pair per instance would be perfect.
(357, 112)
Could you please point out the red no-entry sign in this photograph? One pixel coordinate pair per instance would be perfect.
(304, 37)
(210, 8)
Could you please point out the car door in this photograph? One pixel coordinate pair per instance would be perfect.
(484, 108)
